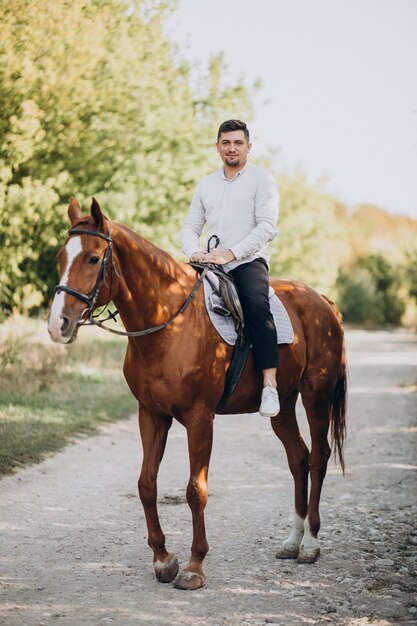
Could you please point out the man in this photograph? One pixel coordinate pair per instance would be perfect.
(240, 204)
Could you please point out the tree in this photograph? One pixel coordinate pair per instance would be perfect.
(94, 100)
(312, 240)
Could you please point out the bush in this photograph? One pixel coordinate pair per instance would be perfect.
(411, 274)
(368, 293)
(357, 298)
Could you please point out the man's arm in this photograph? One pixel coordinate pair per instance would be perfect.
(266, 216)
(193, 227)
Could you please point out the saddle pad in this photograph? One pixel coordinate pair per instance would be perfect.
(225, 325)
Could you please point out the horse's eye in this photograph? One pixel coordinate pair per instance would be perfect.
(94, 260)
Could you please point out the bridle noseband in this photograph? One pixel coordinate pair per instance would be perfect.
(91, 299)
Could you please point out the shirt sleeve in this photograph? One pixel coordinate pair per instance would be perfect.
(266, 217)
(193, 225)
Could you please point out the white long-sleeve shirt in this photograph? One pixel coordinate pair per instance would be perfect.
(242, 212)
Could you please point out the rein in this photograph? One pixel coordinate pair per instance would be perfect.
(90, 300)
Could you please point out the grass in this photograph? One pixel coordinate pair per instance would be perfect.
(51, 393)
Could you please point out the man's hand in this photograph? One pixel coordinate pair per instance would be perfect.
(198, 257)
(219, 256)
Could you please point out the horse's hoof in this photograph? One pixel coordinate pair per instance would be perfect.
(189, 581)
(165, 572)
(308, 555)
(288, 552)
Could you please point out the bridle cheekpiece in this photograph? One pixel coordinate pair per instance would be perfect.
(91, 299)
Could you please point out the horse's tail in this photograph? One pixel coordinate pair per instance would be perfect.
(338, 412)
(338, 405)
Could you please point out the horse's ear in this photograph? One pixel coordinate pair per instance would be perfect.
(96, 214)
(74, 210)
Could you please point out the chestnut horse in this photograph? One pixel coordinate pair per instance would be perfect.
(179, 371)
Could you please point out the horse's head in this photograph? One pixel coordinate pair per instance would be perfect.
(85, 272)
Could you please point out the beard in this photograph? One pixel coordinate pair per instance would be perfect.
(232, 161)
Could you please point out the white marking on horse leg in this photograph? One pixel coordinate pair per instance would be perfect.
(290, 547)
(309, 547)
(73, 249)
(297, 530)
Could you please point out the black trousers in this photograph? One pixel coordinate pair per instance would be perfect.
(252, 282)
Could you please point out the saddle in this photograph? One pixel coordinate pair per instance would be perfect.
(224, 286)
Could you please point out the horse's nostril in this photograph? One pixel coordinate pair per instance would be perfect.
(65, 324)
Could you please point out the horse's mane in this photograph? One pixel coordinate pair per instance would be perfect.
(152, 249)
(162, 259)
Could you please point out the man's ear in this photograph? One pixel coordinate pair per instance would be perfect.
(74, 210)
(249, 147)
(96, 214)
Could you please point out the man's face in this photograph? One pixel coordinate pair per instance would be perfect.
(233, 148)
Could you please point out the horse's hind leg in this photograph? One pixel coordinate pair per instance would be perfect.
(318, 415)
(286, 428)
(154, 431)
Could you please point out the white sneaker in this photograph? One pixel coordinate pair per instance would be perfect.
(270, 402)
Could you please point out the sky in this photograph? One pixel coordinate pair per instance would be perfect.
(339, 94)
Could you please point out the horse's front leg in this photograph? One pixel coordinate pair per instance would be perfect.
(154, 431)
(200, 438)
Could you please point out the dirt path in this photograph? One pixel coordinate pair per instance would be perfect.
(73, 547)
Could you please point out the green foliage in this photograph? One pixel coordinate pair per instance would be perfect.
(312, 241)
(368, 293)
(410, 270)
(344, 254)
(94, 100)
(356, 296)
(29, 234)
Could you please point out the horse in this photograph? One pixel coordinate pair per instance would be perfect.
(175, 366)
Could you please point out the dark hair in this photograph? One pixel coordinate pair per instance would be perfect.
(230, 125)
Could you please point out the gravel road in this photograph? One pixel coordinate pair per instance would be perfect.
(74, 551)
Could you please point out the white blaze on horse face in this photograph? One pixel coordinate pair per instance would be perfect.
(73, 249)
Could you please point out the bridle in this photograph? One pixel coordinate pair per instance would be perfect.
(91, 299)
